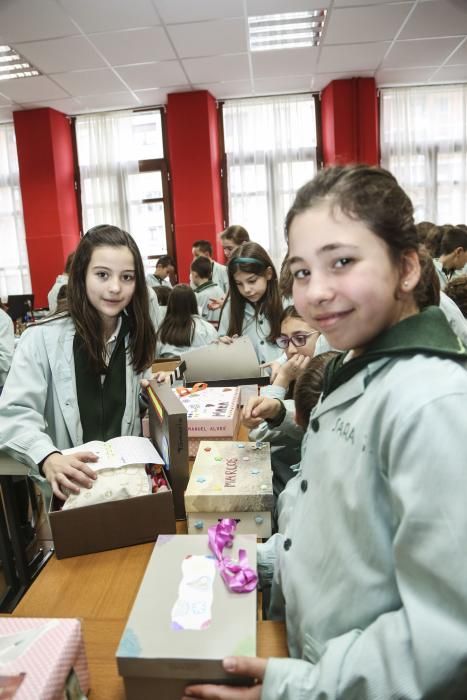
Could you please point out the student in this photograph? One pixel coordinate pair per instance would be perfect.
(205, 289)
(162, 293)
(218, 272)
(7, 345)
(182, 327)
(453, 254)
(61, 280)
(164, 267)
(76, 377)
(254, 306)
(232, 238)
(456, 289)
(370, 571)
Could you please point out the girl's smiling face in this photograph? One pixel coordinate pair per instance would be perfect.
(346, 284)
(110, 282)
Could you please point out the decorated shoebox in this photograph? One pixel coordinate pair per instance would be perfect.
(169, 433)
(211, 413)
(185, 619)
(42, 659)
(231, 480)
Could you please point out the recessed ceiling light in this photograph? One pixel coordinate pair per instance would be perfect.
(13, 65)
(286, 31)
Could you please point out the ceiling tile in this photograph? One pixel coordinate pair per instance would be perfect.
(419, 52)
(268, 64)
(283, 85)
(111, 100)
(4, 100)
(134, 46)
(320, 80)
(32, 89)
(348, 3)
(451, 73)
(208, 70)
(89, 82)
(72, 53)
(209, 38)
(437, 18)
(155, 97)
(227, 89)
(153, 75)
(198, 10)
(351, 57)
(23, 20)
(272, 7)
(411, 76)
(68, 106)
(6, 114)
(106, 15)
(358, 24)
(460, 56)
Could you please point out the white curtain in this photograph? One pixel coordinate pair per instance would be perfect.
(270, 145)
(424, 144)
(14, 264)
(106, 161)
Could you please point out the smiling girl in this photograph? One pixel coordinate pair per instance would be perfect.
(76, 377)
(253, 307)
(370, 571)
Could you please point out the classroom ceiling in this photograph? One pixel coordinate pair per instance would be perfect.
(97, 55)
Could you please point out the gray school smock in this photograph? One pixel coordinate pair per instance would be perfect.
(203, 297)
(153, 281)
(220, 276)
(372, 563)
(443, 280)
(154, 309)
(256, 328)
(7, 345)
(52, 296)
(39, 411)
(454, 316)
(204, 334)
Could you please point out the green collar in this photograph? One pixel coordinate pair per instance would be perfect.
(205, 285)
(427, 332)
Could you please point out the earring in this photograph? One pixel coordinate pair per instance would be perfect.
(406, 284)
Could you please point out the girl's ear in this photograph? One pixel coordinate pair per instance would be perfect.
(409, 271)
(269, 274)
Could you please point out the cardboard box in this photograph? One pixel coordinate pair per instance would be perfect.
(110, 525)
(169, 432)
(49, 652)
(158, 654)
(231, 480)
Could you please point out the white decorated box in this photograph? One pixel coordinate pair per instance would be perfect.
(185, 620)
(231, 480)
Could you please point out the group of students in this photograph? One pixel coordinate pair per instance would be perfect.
(368, 567)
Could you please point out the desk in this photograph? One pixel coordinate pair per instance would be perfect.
(100, 589)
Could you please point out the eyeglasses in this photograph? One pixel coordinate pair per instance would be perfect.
(298, 339)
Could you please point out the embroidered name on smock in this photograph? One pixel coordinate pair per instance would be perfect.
(345, 430)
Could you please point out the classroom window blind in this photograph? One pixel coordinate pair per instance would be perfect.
(14, 264)
(270, 146)
(424, 144)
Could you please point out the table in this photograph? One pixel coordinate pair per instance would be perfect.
(100, 589)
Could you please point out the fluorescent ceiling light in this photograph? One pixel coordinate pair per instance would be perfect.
(286, 31)
(13, 65)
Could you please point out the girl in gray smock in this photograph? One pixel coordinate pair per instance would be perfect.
(182, 328)
(370, 571)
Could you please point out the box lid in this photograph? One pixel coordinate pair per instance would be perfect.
(212, 411)
(230, 476)
(155, 642)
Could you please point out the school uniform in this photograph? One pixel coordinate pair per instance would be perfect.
(52, 296)
(257, 328)
(155, 281)
(39, 412)
(371, 566)
(204, 333)
(7, 345)
(220, 276)
(442, 276)
(204, 293)
(155, 313)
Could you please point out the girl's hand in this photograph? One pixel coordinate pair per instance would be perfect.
(239, 665)
(69, 472)
(274, 366)
(227, 340)
(291, 369)
(159, 377)
(214, 304)
(259, 408)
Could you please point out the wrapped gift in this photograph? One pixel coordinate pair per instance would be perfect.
(231, 480)
(185, 619)
(42, 658)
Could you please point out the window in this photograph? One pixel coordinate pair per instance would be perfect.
(124, 177)
(14, 265)
(270, 147)
(424, 144)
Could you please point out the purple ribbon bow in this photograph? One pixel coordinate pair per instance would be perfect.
(238, 576)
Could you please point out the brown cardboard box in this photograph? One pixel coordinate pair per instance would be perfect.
(159, 653)
(169, 432)
(111, 525)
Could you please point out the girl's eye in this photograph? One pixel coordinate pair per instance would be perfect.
(128, 278)
(102, 275)
(342, 262)
(300, 274)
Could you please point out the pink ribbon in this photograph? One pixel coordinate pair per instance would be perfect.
(238, 576)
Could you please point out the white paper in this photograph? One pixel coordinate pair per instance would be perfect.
(219, 361)
(119, 452)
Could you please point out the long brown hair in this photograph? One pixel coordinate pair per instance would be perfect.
(253, 259)
(142, 338)
(178, 326)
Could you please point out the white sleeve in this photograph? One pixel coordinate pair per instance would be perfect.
(7, 344)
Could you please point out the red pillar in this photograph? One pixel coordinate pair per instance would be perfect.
(46, 171)
(350, 122)
(194, 156)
